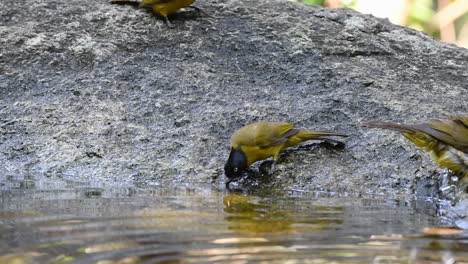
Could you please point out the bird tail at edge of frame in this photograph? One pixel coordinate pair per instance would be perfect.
(389, 125)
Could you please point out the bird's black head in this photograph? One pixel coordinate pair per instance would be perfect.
(236, 164)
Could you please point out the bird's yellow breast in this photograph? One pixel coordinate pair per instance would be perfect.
(444, 155)
(165, 8)
(452, 159)
(254, 153)
(422, 140)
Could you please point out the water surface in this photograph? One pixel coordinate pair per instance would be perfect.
(130, 225)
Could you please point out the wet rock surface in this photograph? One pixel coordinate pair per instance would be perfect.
(108, 94)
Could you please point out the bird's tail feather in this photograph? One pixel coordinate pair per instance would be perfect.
(390, 125)
(307, 134)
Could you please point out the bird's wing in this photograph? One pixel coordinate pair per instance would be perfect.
(273, 134)
(453, 132)
(460, 133)
(263, 134)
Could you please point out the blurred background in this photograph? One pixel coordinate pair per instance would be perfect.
(443, 19)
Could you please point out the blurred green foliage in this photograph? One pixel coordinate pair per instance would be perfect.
(314, 2)
(420, 15)
(416, 14)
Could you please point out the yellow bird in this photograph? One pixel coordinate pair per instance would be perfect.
(446, 140)
(162, 8)
(262, 140)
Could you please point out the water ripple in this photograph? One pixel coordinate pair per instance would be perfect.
(148, 226)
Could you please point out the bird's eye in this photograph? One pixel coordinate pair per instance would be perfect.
(236, 169)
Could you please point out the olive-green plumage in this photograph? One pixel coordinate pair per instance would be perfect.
(167, 7)
(445, 139)
(262, 140)
(162, 8)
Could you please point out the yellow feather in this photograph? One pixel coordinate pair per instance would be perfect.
(263, 140)
(162, 8)
(446, 140)
(167, 7)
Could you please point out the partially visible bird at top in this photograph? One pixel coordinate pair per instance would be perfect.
(262, 140)
(445, 139)
(162, 8)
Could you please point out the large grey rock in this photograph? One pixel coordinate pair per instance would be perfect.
(108, 94)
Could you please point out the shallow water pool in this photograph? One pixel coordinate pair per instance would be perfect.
(131, 225)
